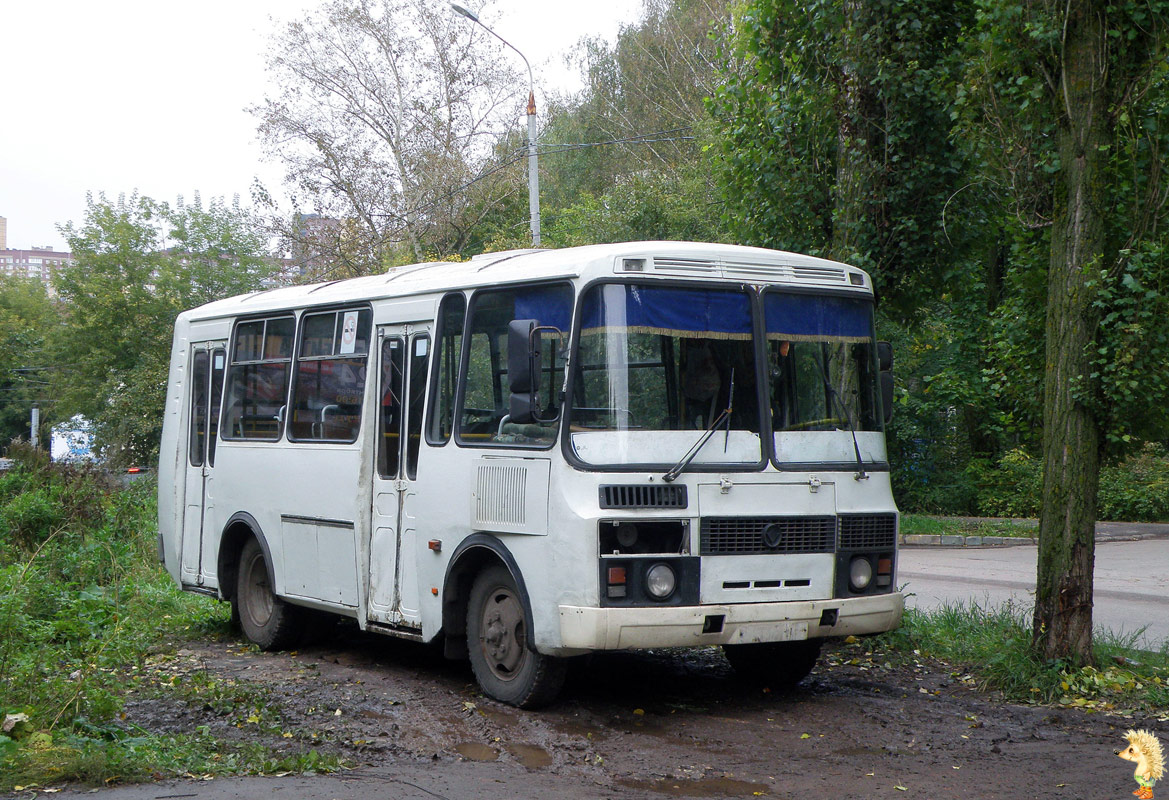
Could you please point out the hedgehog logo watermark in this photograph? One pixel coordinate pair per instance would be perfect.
(1145, 751)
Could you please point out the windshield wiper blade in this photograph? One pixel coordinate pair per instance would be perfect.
(724, 415)
(861, 475)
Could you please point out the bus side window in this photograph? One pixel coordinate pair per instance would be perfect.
(451, 316)
(218, 367)
(196, 446)
(419, 358)
(257, 379)
(483, 415)
(330, 376)
(389, 452)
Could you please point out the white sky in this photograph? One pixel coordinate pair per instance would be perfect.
(121, 95)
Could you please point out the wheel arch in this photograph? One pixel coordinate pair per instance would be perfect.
(241, 527)
(475, 553)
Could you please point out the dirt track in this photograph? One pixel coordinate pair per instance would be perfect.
(667, 723)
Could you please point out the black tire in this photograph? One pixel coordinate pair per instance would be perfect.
(497, 640)
(264, 618)
(779, 665)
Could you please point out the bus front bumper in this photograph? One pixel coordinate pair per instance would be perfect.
(583, 628)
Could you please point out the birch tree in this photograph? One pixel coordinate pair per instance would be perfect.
(384, 114)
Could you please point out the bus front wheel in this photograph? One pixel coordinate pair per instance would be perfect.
(265, 618)
(506, 668)
(776, 664)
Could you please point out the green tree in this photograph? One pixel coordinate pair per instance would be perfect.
(1067, 101)
(139, 263)
(834, 121)
(623, 159)
(26, 314)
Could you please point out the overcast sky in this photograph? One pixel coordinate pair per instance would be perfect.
(122, 95)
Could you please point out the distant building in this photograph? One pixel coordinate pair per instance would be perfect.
(314, 243)
(35, 262)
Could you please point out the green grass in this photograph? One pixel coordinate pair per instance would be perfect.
(991, 646)
(84, 606)
(956, 526)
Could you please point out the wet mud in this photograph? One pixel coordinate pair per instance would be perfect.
(672, 723)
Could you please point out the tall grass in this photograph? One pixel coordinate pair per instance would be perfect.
(993, 644)
(83, 605)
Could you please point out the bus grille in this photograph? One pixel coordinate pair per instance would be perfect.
(868, 531)
(619, 496)
(767, 535)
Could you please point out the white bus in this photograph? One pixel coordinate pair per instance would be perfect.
(537, 454)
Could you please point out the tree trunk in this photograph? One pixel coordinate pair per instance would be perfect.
(854, 170)
(1071, 430)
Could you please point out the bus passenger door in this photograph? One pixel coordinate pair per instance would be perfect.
(393, 584)
(206, 379)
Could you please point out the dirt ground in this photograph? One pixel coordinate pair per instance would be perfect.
(649, 724)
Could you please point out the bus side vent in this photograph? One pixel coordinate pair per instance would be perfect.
(630, 496)
(767, 535)
(831, 274)
(868, 531)
(500, 495)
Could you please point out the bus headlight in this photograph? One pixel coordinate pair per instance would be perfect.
(660, 581)
(860, 573)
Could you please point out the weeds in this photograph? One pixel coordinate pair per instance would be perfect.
(83, 606)
(992, 645)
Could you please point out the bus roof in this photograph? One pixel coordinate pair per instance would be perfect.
(690, 260)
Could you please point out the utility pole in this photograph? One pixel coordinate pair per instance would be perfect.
(533, 165)
(34, 437)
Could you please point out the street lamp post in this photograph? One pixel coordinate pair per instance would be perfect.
(533, 165)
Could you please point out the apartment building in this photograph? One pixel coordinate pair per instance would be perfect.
(34, 262)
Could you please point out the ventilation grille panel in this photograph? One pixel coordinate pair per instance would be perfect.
(500, 495)
(767, 535)
(868, 531)
(644, 496)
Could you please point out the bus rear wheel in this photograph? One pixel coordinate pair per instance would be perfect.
(265, 618)
(779, 665)
(506, 668)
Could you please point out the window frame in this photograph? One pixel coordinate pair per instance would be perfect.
(233, 343)
(294, 375)
(464, 364)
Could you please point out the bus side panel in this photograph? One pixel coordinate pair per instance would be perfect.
(172, 453)
(308, 502)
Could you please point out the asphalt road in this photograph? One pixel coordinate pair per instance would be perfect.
(1131, 582)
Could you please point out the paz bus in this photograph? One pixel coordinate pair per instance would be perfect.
(537, 454)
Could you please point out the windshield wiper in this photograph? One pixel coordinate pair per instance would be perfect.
(724, 415)
(861, 475)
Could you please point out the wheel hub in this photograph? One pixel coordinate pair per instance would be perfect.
(504, 639)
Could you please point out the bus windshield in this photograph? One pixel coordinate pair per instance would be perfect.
(655, 367)
(822, 376)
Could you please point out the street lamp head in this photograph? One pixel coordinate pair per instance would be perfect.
(465, 12)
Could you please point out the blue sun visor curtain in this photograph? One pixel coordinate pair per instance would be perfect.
(551, 305)
(687, 313)
(811, 318)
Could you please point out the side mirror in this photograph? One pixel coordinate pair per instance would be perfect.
(525, 351)
(885, 363)
(523, 365)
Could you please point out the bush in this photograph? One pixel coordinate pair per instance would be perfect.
(1137, 489)
(1013, 487)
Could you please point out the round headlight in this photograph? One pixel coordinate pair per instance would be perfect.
(660, 581)
(860, 574)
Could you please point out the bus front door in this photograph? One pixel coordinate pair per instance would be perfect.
(207, 365)
(393, 580)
